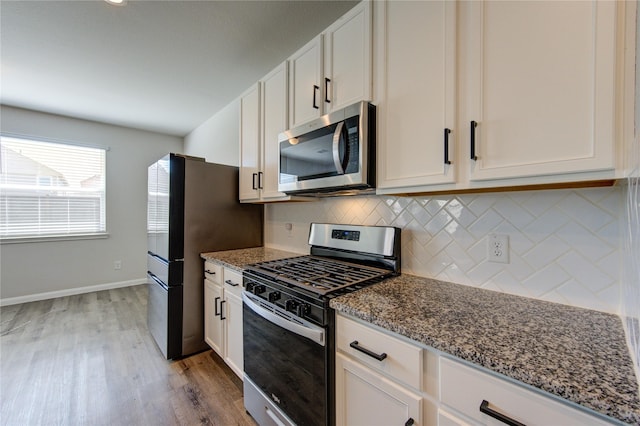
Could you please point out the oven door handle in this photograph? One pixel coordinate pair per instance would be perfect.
(316, 335)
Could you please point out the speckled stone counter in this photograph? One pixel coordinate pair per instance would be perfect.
(577, 354)
(239, 259)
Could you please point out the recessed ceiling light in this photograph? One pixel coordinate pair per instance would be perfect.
(117, 2)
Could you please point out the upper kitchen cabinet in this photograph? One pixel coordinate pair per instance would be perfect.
(523, 93)
(250, 161)
(334, 69)
(263, 115)
(305, 71)
(538, 88)
(416, 115)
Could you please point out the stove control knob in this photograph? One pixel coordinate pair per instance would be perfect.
(258, 289)
(302, 309)
(249, 287)
(273, 296)
(291, 305)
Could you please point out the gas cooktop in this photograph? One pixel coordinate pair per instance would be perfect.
(320, 275)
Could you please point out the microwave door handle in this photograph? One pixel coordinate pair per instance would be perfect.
(337, 161)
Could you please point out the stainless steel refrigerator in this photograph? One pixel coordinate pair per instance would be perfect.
(192, 208)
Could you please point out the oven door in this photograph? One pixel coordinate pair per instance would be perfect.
(286, 358)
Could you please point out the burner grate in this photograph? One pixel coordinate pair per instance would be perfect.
(318, 274)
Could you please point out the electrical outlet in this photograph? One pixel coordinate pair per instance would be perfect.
(498, 248)
(289, 228)
(117, 265)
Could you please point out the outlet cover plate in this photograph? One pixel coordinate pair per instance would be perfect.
(498, 248)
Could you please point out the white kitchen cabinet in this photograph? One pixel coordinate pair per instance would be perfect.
(213, 332)
(305, 73)
(378, 377)
(223, 314)
(539, 80)
(347, 59)
(274, 121)
(334, 69)
(231, 316)
(250, 160)
(464, 389)
(263, 115)
(412, 381)
(416, 115)
(364, 397)
(534, 93)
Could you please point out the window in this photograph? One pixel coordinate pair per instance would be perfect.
(50, 189)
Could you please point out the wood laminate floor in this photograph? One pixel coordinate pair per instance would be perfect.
(90, 360)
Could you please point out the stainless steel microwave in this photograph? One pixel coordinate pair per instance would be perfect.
(331, 154)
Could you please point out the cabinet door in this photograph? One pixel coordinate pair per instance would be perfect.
(540, 83)
(213, 332)
(232, 312)
(347, 59)
(250, 144)
(367, 398)
(418, 94)
(274, 119)
(305, 87)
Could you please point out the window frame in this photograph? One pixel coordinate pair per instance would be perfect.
(62, 236)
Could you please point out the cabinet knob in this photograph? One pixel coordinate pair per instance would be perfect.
(409, 422)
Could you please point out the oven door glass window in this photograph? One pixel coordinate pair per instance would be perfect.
(330, 151)
(288, 368)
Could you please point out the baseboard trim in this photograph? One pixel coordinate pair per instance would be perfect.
(69, 292)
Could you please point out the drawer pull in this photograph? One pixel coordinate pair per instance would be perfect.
(231, 283)
(484, 408)
(409, 422)
(210, 272)
(357, 347)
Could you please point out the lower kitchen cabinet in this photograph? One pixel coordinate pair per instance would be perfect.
(365, 397)
(223, 314)
(378, 377)
(381, 381)
(481, 397)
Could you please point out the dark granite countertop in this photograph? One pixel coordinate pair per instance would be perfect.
(239, 259)
(577, 354)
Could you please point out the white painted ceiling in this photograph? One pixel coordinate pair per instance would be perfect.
(164, 66)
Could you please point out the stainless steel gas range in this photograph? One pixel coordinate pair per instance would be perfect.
(289, 327)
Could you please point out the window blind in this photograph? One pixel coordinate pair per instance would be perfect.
(50, 189)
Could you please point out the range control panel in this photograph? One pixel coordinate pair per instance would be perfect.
(340, 234)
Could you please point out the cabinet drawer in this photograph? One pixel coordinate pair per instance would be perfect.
(403, 361)
(213, 272)
(464, 389)
(233, 282)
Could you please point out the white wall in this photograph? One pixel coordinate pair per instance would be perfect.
(29, 271)
(565, 244)
(217, 139)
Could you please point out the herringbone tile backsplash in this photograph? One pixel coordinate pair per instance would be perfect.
(565, 245)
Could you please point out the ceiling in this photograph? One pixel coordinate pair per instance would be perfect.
(163, 66)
